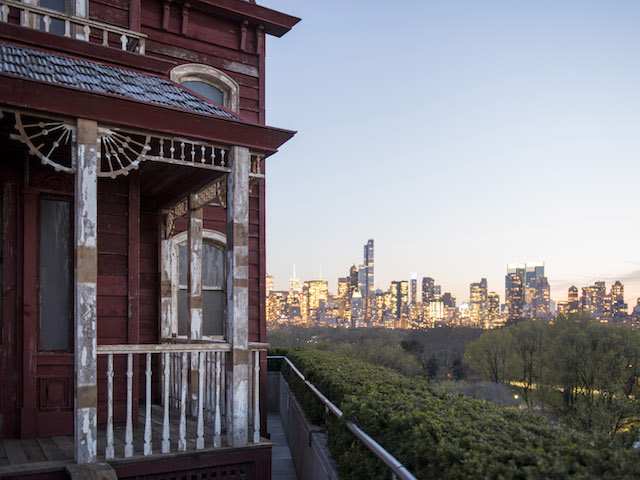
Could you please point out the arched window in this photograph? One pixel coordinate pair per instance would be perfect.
(208, 82)
(213, 284)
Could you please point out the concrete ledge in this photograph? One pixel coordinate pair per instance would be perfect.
(307, 442)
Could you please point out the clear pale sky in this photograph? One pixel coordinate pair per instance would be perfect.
(461, 135)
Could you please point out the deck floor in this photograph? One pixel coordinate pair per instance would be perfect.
(14, 451)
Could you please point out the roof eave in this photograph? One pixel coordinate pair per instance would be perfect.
(110, 109)
(274, 22)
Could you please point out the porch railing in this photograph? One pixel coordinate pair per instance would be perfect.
(74, 27)
(192, 382)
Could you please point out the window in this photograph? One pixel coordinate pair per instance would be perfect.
(208, 82)
(213, 284)
(69, 7)
(56, 292)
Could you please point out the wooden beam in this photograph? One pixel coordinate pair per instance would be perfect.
(86, 266)
(237, 330)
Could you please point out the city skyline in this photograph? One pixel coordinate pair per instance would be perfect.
(462, 297)
(489, 133)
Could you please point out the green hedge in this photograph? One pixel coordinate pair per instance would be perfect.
(439, 435)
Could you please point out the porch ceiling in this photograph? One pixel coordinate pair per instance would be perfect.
(165, 184)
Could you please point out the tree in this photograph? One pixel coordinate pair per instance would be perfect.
(432, 367)
(489, 354)
(527, 356)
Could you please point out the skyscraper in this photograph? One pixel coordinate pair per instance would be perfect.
(368, 291)
(413, 288)
(536, 301)
(514, 295)
(428, 285)
(478, 302)
(399, 302)
(573, 301)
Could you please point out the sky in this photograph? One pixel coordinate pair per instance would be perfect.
(461, 135)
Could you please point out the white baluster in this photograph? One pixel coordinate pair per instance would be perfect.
(141, 47)
(67, 28)
(128, 433)
(217, 430)
(124, 41)
(166, 445)
(4, 12)
(201, 373)
(182, 431)
(110, 451)
(147, 416)
(86, 30)
(105, 37)
(256, 396)
(46, 19)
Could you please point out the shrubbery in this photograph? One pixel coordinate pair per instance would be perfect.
(439, 435)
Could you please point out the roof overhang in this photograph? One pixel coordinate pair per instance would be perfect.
(19, 93)
(274, 22)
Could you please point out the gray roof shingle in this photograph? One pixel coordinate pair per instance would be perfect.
(96, 77)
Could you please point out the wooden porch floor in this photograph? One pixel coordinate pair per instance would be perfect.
(17, 455)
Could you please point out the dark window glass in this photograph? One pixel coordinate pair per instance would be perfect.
(213, 295)
(207, 91)
(212, 266)
(55, 274)
(57, 25)
(213, 312)
(1, 256)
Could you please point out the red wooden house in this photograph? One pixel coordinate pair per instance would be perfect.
(132, 268)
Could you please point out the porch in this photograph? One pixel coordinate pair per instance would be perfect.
(186, 421)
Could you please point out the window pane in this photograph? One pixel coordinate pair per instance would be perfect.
(57, 25)
(183, 311)
(183, 265)
(212, 266)
(207, 91)
(55, 274)
(213, 311)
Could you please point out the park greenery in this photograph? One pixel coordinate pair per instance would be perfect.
(436, 434)
(563, 397)
(584, 372)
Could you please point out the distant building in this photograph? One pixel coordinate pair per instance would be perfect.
(619, 308)
(367, 289)
(449, 300)
(514, 295)
(478, 302)
(399, 302)
(428, 285)
(573, 301)
(414, 289)
(268, 284)
(493, 306)
(536, 299)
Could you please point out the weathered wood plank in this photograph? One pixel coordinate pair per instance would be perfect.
(14, 451)
(33, 451)
(51, 450)
(65, 444)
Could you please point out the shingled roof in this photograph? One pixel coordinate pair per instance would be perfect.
(96, 77)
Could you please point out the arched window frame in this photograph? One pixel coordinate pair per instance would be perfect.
(208, 236)
(195, 72)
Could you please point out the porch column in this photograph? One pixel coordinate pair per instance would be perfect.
(238, 297)
(86, 266)
(194, 280)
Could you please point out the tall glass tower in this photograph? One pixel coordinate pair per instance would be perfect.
(368, 291)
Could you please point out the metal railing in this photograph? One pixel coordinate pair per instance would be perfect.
(398, 471)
